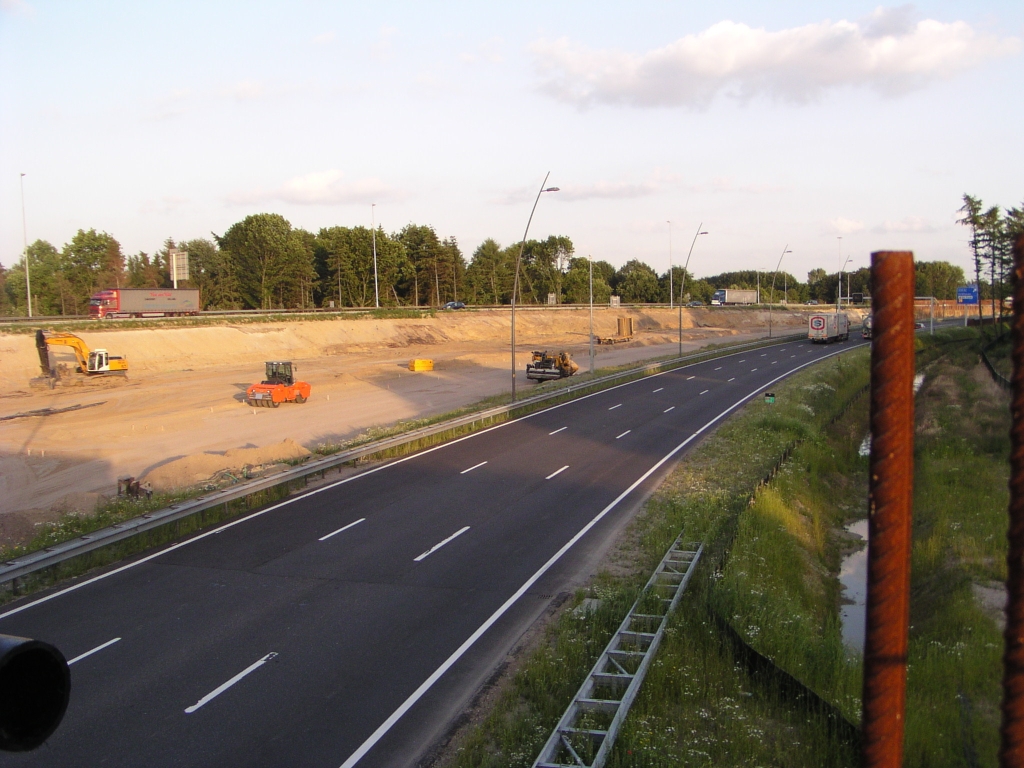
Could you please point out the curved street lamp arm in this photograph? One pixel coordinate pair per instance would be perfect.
(687, 264)
(515, 282)
(776, 273)
(522, 244)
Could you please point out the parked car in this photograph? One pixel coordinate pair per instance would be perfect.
(454, 305)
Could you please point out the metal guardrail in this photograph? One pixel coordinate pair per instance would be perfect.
(999, 378)
(59, 553)
(605, 697)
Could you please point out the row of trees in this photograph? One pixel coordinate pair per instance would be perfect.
(993, 233)
(263, 262)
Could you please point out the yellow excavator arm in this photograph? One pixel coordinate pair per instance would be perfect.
(99, 361)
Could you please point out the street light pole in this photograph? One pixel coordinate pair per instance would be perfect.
(515, 282)
(591, 258)
(682, 288)
(24, 237)
(376, 289)
(670, 293)
(839, 289)
(772, 296)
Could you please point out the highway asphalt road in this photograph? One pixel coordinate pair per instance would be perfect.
(353, 623)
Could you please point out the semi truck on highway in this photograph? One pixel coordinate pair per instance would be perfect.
(828, 326)
(724, 296)
(144, 302)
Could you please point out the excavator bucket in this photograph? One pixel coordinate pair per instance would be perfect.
(44, 354)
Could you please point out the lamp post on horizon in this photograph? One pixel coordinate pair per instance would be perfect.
(24, 237)
(839, 288)
(373, 223)
(515, 282)
(670, 293)
(771, 298)
(682, 287)
(591, 259)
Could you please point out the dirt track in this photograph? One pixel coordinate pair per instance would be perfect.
(184, 393)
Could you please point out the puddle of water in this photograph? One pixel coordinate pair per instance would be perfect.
(853, 575)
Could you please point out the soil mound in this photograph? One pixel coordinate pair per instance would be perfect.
(192, 470)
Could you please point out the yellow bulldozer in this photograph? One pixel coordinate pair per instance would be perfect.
(96, 362)
(545, 367)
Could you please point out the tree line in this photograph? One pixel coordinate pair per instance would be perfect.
(262, 262)
(993, 233)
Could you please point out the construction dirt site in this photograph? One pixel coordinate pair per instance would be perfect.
(179, 419)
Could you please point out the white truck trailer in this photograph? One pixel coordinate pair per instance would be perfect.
(724, 296)
(824, 327)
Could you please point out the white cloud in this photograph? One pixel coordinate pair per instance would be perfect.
(614, 190)
(887, 52)
(324, 39)
(245, 90)
(19, 7)
(845, 226)
(489, 51)
(383, 49)
(168, 204)
(658, 181)
(320, 188)
(908, 224)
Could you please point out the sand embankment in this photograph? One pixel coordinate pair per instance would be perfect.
(157, 350)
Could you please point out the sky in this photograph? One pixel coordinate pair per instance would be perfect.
(826, 129)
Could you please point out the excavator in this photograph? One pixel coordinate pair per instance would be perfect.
(97, 362)
(546, 367)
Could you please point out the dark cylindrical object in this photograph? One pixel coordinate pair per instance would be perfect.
(35, 685)
(889, 508)
(1011, 748)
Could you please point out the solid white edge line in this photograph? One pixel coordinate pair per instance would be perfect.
(425, 686)
(668, 409)
(557, 430)
(657, 390)
(440, 544)
(343, 528)
(374, 470)
(614, 407)
(475, 466)
(94, 650)
(221, 688)
(557, 472)
(624, 433)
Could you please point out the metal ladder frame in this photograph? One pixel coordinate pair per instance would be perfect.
(669, 580)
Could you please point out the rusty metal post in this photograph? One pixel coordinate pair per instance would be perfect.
(1011, 747)
(889, 508)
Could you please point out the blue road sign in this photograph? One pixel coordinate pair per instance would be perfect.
(967, 294)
